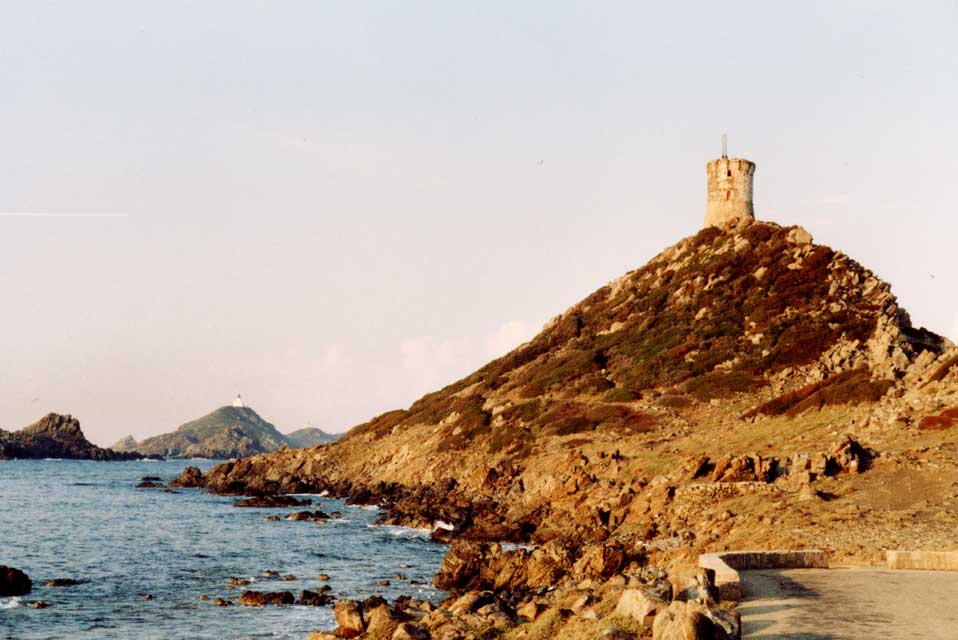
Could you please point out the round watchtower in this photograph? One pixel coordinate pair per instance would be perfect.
(729, 191)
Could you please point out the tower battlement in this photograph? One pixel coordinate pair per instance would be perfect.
(729, 193)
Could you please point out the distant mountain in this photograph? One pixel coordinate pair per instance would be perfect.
(308, 437)
(228, 432)
(56, 436)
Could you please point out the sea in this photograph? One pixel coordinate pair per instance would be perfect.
(146, 557)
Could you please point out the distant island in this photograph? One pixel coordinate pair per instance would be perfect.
(228, 432)
(56, 436)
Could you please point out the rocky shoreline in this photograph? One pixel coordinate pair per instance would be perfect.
(595, 551)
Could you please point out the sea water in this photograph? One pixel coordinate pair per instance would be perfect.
(146, 556)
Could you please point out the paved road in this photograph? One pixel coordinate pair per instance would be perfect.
(840, 604)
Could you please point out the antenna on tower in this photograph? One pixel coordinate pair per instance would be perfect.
(724, 146)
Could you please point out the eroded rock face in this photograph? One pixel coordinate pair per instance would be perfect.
(14, 582)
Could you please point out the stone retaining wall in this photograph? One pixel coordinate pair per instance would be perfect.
(926, 560)
(726, 565)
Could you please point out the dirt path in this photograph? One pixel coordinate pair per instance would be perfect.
(840, 604)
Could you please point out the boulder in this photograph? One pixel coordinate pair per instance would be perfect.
(687, 621)
(531, 610)
(463, 562)
(64, 582)
(410, 631)
(272, 501)
(308, 516)
(694, 586)
(220, 602)
(191, 477)
(14, 582)
(349, 617)
(321, 635)
(38, 604)
(640, 603)
(260, 599)
(600, 561)
(382, 621)
(312, 599)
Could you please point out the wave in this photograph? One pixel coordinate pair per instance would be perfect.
(53, 459)
(9, 603)
(401, 532)
(370, 507)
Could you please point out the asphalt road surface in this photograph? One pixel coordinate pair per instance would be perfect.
(840, 604)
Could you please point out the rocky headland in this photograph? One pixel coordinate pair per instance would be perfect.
(746, 388)
(227, 432)
(56, 436)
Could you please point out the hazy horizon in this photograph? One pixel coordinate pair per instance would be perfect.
(335, 209)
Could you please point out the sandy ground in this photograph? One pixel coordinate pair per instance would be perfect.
(833, 604)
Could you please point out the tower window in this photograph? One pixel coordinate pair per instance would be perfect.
(728, 195)
(729, 173)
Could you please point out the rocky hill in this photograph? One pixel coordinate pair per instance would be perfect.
(56, 436)
(309, 437)
(746, 388)
(227, 432)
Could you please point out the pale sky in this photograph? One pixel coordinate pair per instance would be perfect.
(334, 207)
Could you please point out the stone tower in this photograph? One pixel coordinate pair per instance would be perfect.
(729, 190)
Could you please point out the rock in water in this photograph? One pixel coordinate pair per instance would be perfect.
(13, 582)
(273, 501)
(349, 617)
(64, 582)
(191, 477)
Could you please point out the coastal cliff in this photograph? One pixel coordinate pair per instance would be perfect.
(746, 388)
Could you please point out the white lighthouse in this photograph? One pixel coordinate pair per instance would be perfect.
(239, 401)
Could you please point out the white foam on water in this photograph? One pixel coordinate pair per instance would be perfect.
(9, 603)
(403, 532)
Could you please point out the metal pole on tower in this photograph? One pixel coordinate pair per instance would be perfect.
(724, 146)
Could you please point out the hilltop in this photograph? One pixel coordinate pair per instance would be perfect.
(227, 432)
(746, 388)
(309, 437)
(56, 436)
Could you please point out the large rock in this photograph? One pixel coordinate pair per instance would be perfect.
(382, 621)
(690, 621)
(14, 582)
(191, 477)
(462, 565)
(410, 631)
(272, 501)
(349, 617)
(260, 599)
(638, 604)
